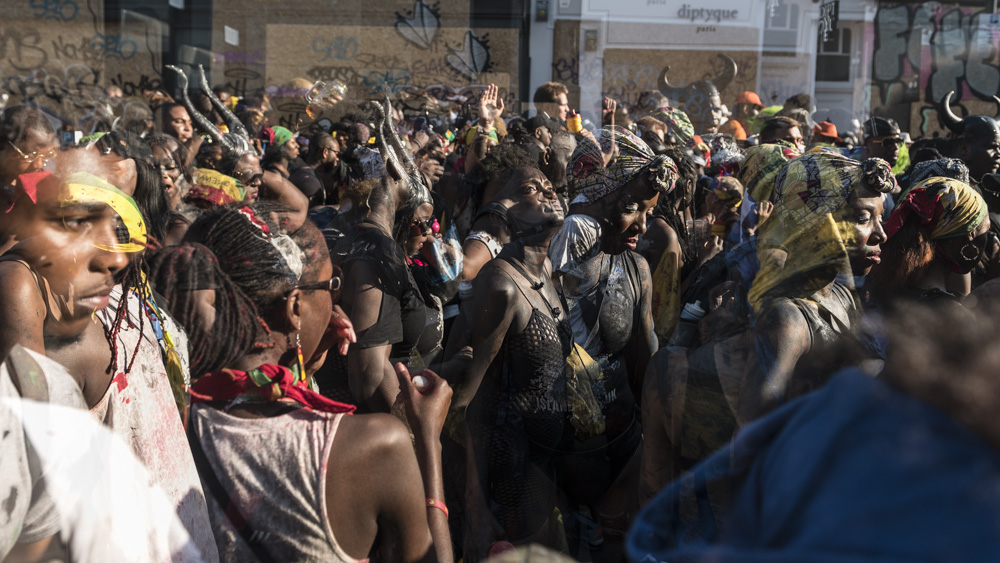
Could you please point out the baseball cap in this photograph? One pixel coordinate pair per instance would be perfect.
(749, 98)
(880, 127)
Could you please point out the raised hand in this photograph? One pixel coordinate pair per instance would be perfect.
(490, 106)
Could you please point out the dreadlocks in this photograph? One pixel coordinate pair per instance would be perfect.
(131, 279)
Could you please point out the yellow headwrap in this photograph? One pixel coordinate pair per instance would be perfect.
(803, 245)
(83, 187)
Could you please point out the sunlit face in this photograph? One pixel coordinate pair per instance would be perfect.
(249, 173)
(170, 173)
(292, 149)
(792, 135)
(861, 226)
(180, 124)
(627, 211)
(66, 244)
(535, 202)
(28, 155)
(562, 107)
(316, 311)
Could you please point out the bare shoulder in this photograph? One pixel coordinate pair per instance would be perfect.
(367, 439)
(20, 293)
(780, 314)
(495, 276)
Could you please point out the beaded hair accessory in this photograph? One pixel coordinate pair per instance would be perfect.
(290, 252)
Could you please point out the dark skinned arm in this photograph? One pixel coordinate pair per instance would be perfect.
(370, 376)
(373, 469)
(782, 337)
(644, 342)
(493, 308)
(24, 312)
(275, 188)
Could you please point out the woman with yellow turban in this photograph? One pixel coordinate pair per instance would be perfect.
(940, 227)
(824, 232)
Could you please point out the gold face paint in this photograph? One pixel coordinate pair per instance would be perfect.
(83, 188)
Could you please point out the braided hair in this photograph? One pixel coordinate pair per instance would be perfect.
(233, 247)
(177, 272)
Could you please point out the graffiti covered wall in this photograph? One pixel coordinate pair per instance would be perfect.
(62, 56)
(923, 51)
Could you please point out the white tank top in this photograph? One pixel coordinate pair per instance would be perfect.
(274, 470)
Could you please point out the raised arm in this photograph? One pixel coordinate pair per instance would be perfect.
(275, 188)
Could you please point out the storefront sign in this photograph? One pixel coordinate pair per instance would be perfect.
(829, 13)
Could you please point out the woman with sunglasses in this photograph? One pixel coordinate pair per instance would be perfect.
(940, 226)
(260, 184)
(289, 475)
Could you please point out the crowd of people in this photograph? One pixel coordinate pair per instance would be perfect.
(451, 333)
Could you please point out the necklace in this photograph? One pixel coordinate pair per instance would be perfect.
(537, 286)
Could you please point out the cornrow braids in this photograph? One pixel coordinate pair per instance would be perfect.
(238, 236)
(176, 273)
(244, 251)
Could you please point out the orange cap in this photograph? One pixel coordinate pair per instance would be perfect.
(749, 98)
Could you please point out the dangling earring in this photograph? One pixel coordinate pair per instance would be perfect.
(973, 258)
(298, 352)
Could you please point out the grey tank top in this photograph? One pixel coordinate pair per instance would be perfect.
(274, 470)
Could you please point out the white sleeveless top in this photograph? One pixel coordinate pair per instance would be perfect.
(274, 470)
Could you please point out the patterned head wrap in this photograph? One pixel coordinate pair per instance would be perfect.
(590, 180)
(803, 245)
(678, 124)
(944, 207)
(761, 165)
(944, 167)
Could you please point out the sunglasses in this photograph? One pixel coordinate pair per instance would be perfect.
(252, 180)
(33, 156)
(426, 226)
(333, 285)
(895, 141)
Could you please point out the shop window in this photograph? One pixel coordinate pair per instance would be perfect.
(833, 57)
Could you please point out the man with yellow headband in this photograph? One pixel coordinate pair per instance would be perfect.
(57, 275)
(75, 237)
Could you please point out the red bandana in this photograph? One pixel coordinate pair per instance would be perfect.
(268, 382)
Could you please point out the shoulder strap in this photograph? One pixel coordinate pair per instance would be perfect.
(27, 375)
(231, 511)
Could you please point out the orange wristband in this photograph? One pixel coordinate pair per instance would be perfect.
(435, 503)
